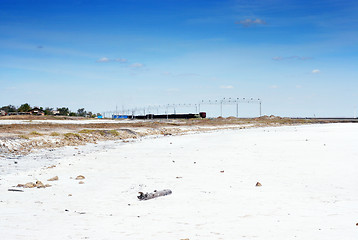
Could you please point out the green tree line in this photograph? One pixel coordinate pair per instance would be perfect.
(62, 111)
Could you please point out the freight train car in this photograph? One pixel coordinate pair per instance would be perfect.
(161, 116)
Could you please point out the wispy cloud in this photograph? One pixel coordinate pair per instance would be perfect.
(279, 58)
(316, 71)
(136, 65)
(251, 22)
(273, 86)
(121, 60)
(226, 87)
(105, 60)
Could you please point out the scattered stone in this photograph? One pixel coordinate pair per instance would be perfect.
(80, 177)
(70, 195)
(222, 171)
(179, 177)
(53, 179)
(28, 185)
(81, 182)
(39, 184)
(258, 184)
(66, 210)
(356, 224)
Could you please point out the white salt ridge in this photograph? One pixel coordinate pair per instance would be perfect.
(308, 176)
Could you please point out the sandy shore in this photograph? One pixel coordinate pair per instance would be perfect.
(308, 176)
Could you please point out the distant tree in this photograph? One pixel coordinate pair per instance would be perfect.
(9, 108)
(48, 111)
(73, 114)
(24, 108)
(91, 115)
(98, 114)
(81, 112)
(63, 111)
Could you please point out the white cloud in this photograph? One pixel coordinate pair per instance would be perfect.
(136, 65)
(315, 71)
(227, 87)
(103, 59)
(251, 22)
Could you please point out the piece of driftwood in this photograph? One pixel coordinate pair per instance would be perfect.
(155, 194)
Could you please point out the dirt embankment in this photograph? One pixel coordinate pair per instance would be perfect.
(21, 139)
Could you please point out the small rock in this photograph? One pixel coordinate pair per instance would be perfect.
(39, 184)
(356, 224)
(29, 185)
(179, 177)
(80, 177)
(258, 184)
(70, 195)
(81, 182)
(222, 171)
(53, 179)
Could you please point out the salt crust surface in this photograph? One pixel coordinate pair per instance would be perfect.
(309, 178)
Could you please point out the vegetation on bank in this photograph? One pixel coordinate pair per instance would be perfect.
(59, 111)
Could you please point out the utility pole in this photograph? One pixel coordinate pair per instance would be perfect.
(237, 110)
(260, 106)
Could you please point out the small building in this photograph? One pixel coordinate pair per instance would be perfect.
(37, 111)
(55, 112)
(2, 113)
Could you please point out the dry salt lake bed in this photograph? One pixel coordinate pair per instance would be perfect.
(308, 176)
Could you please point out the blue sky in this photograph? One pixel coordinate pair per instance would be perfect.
(299, 57)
